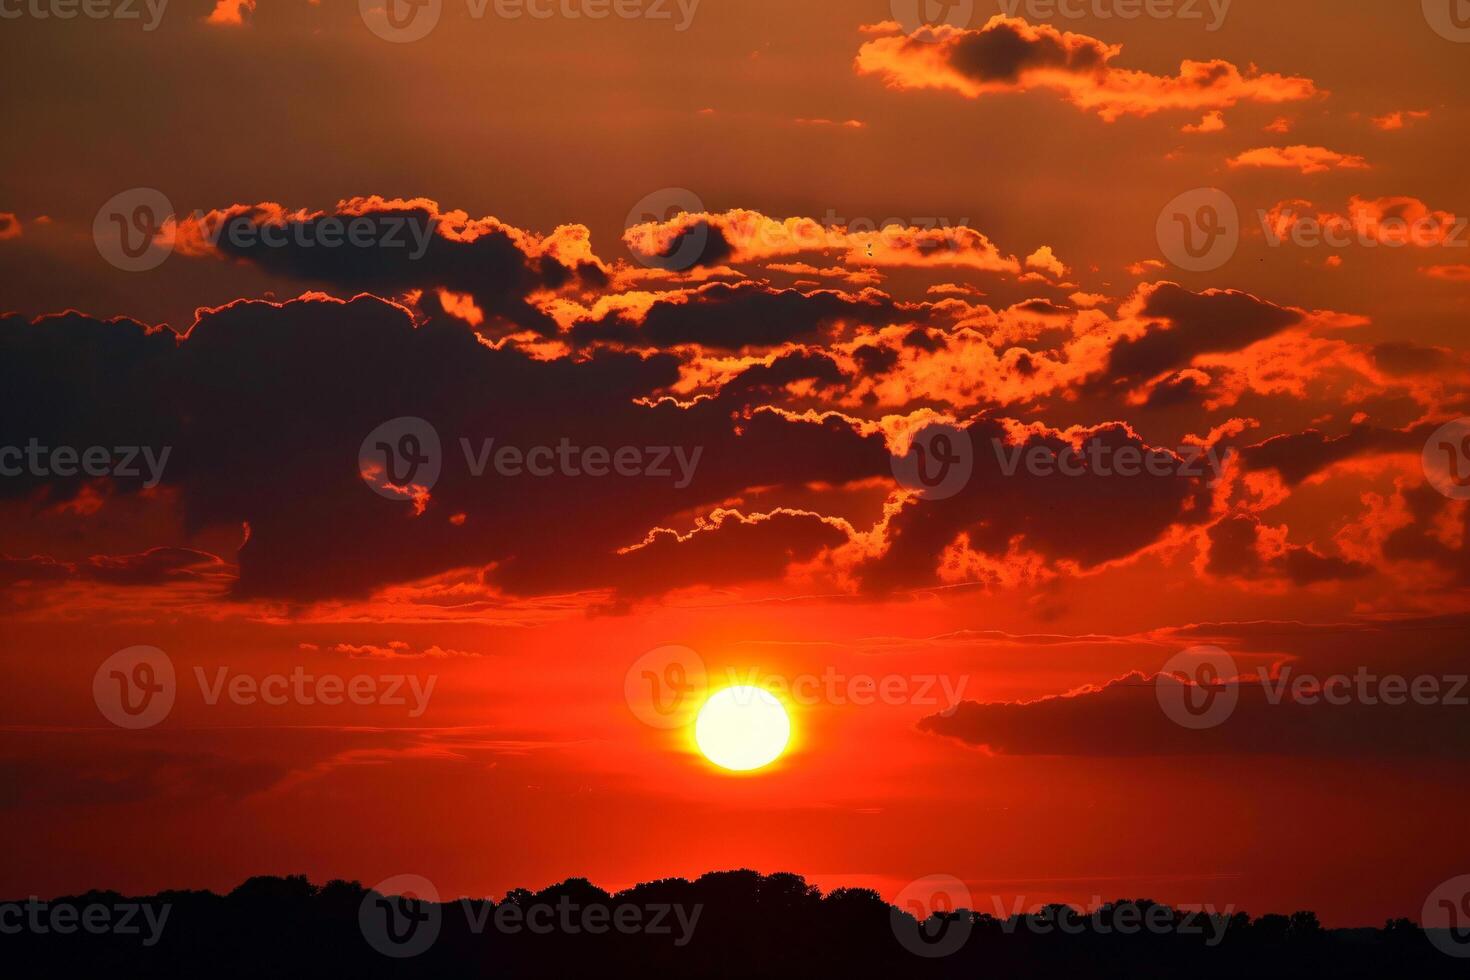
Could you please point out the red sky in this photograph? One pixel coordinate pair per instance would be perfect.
(619, 233)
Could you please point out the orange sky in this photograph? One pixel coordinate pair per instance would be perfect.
(768, 248)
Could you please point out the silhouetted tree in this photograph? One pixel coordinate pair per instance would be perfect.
(747, 925)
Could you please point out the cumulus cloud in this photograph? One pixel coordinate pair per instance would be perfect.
(230, 13)
(1302, 158)
(1393, 221)
(1008, 54)
(1393, 121)
(493, 330)
(1212, 122)
(749, 236)
(1044, 260)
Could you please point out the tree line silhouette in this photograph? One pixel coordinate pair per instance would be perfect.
(748, 925)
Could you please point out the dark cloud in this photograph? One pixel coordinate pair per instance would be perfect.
(1418, 542)
(1184, 388)
(1190, 324)
(1003, 50)
(924, 339)
(1236, 550)
(734, 550)
(399, 247)
(796, 365)
(112, 776)
(266, 406)
(1419, 644)
(1088, 519)
(701, 244)
(1041, 307)
(1124, 719)
(1299, 455)
(71, 380)
(736, 316)
(1404, 357)
(874, 359)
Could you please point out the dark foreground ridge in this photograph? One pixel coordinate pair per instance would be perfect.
(725, 924)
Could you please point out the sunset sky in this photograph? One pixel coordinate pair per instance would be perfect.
(766, 246)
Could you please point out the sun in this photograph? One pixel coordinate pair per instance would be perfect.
(742, 728)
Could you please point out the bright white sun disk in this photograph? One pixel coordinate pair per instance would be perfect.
(742, 728)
